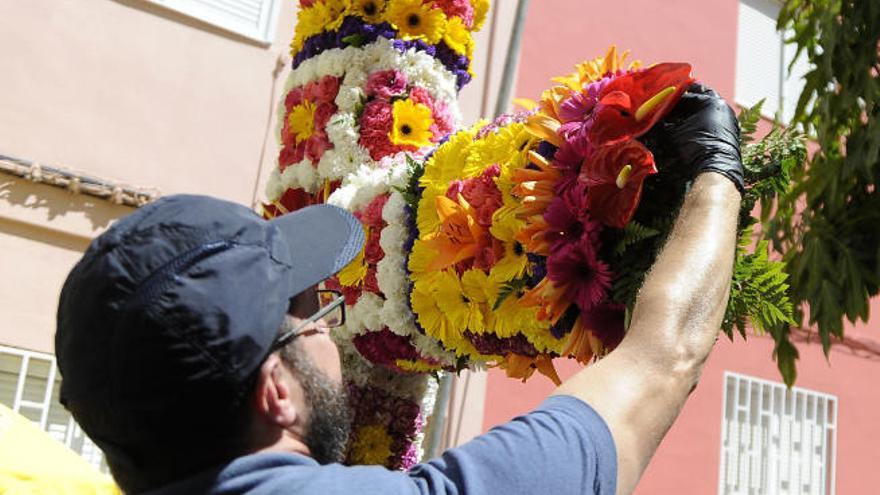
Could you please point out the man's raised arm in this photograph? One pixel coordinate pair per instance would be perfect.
(640, 388)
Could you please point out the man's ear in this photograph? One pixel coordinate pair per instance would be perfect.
(276, 393)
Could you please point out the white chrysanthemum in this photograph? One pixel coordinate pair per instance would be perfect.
(290, 176)
(349, 97)
(397, 316)
(342, 197)
(274, 189)
(307, 176)
(368, 307)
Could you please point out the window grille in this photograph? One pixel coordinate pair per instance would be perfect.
(762, 60)
(775, 440)
(254, 19)
(29, 385)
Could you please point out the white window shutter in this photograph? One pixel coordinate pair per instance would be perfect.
(254, 19)
(759, 69)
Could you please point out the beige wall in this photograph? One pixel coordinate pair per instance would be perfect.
(130, 92)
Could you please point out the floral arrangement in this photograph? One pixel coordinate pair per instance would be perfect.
(509, 243)
(372, 90)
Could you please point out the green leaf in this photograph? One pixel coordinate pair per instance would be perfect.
(356, 39)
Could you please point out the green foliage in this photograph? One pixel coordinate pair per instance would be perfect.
(827, 225)
(514, 287)
(760, 292)
(412, 191)
(634, 232)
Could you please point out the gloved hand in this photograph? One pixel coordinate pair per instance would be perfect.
(703, 134)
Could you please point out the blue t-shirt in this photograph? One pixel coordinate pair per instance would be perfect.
(563, 447)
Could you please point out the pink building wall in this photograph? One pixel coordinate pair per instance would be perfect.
(559, 33)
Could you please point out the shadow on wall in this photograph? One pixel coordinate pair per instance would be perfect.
(56, 204)
(173, 16)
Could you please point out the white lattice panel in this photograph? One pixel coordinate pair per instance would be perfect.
(776, 441)
(29, 385)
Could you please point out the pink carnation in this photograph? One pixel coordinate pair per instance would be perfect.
(481, 193)
(458, 8)
(386, 83)
(376, 123)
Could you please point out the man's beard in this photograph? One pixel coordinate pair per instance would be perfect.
(329, 424)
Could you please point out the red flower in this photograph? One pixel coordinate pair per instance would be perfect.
(307, 110)
(614, 175)
(630, 104)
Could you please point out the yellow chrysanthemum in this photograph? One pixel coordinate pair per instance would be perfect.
(368, 10)
(481, 9)
(505, 227)
(373, 445)
(510, 318)
(416, 20)
(457, 36)
(412, 124)
(301, 121)
(446, 162)
(545, 342)
(417, 366)
(421, 257)
(462, 312)
(429, 314)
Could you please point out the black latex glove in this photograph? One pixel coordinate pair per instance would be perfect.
(703, 134)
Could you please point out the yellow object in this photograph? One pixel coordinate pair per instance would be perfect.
(32, 462)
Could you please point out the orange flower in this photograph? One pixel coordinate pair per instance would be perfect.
(582, 344)
(548, 298)
(533, 236)
(459, 234)
(522, 367)
(535, 188)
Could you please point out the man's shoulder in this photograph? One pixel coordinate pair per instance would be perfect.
(282, 473)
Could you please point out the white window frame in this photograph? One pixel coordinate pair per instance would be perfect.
(263, 31)
(759, 463)
(70, 435)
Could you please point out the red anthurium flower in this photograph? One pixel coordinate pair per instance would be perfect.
(630, 104)
(614, 175)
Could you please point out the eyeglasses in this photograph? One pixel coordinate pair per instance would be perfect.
(331, 314)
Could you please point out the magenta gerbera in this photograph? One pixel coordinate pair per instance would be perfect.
(576, 268)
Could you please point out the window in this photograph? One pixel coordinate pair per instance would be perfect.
(776, 441)
(762, 60)
(29, 385)
(254, 19)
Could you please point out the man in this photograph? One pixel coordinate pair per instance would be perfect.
(194, 349)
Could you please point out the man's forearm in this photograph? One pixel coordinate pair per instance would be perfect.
(640, 388)
(682, 302)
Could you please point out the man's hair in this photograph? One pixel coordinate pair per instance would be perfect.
(172, 443)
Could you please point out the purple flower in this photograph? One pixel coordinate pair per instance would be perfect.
(575, 266)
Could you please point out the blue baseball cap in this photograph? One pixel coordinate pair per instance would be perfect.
(180, 302)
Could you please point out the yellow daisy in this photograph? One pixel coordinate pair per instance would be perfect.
(510, 318)
(414, 19)
(412, 124)
(373, 445)
(301, 121)
(368, 10)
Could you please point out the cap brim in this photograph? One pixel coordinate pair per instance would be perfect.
(322, 239)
